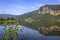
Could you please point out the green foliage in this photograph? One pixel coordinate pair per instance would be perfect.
(12, 32)
(9, 20)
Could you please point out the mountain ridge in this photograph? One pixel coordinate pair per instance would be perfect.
(6, 15)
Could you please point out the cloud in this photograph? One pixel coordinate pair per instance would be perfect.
(36, 6)
(20, 9)
(39, 4)
(16, 9)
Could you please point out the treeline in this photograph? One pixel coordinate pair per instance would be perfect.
(2, 19)
(9, 20)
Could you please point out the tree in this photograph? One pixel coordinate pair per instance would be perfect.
(12, 32)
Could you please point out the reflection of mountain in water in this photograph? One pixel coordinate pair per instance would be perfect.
(44, 27)
(52, 30)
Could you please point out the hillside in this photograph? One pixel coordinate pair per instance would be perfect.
(29, 14)
(36, 15)
(6, 15)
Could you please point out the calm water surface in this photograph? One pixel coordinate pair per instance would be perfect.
(32, 34)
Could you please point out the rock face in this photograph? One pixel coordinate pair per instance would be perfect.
(52, 9)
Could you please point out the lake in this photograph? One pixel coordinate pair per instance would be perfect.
(32, 34)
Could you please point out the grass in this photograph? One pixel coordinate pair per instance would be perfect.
(8, 21)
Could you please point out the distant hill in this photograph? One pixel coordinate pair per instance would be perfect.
(6, 15)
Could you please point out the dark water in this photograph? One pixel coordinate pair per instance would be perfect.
(32, 34)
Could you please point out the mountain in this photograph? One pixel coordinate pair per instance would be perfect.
(53, 7)
(29, 14)
(42, 17)
(42, 12)
(6, 15)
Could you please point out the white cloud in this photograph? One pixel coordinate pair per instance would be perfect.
(20, 9)
(39, 4)
(36, 6)
(16, 10)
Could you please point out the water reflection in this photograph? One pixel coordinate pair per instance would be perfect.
(47, 28)
(51, 31)
(35, 35)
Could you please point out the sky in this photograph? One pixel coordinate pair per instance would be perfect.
(19, 7)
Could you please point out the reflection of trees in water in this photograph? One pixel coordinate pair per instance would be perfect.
(49, 30)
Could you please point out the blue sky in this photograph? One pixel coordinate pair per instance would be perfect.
(18, 7)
